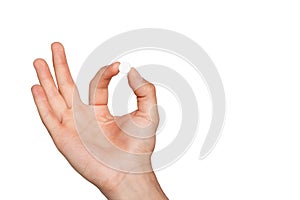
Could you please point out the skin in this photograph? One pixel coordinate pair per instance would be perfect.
(112, 152)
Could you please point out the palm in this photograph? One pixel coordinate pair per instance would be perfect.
(96, 143)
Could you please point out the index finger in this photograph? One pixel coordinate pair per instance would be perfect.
(98, 91)
(145, 93)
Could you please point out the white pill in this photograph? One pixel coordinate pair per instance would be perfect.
(124, 67)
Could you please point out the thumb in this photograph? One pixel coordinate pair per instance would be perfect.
(144, 91)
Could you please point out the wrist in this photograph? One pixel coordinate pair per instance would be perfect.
(137, 186)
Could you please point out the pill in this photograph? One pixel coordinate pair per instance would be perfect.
(124, 67)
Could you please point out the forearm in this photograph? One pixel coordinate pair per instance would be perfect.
(137, 186)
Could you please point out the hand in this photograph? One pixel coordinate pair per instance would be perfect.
(113, 153)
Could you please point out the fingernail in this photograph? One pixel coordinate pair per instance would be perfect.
(136, 74)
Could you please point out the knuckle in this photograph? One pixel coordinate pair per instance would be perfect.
(100, 74)
(150, 87)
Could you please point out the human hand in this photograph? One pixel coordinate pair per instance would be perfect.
(112, 152)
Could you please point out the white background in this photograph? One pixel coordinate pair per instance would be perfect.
(255, 46)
